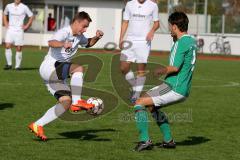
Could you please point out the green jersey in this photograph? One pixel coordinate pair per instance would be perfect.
(182, 56)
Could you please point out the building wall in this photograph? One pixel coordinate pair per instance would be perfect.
(1, 14)
(107, 16)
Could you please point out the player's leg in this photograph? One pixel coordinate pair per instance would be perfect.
(18, 43)
(142, 51)
(76, 84)
(128, 73)
(163, 95)
(52, 114)
(18, 57)
(54, 78)
(8, 50)
(127, 57)
(141, 117)
(140, 80)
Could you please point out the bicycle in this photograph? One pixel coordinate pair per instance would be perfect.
(220, 45)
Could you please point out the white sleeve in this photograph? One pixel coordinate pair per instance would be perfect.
(84, 41)
(6, 10)
(60, 36)
(155, 13)
(127, 13)
(28, 12)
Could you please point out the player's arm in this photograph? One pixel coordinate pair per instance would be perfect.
(59, 40)
(5, 17)
(29, 13)
(123, 32)
(156, 24)
(29, 23)
(176, 61)
(166, 70)
(125, 22)
(155, 27)
(59, 44)
(92, 41)
(5, 21)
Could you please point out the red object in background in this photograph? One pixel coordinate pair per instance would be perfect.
(51, 23)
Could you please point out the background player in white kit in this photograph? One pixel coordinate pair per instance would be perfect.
(13, 19)
(57, 67)
(137, 19)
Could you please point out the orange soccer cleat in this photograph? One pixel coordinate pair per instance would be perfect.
(38, 131)
(81, 105)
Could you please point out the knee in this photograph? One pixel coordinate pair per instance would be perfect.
(8, 46)
(124, 70)
(66, 101)
(141, 73)
(78, 69)
(18, 48)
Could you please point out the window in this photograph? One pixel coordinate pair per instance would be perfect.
(49, 18)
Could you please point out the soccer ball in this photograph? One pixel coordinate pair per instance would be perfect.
(98, 105)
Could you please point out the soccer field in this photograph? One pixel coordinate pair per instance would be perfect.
(206, 126)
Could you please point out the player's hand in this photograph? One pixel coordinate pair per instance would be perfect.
(150, 36)
(121, 42)
(24, 27)
(6, 26)
(99, 34)
(160, 71)
(67, 45)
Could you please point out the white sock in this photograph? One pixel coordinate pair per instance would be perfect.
(18, 59)
(131, 79)
(8, 54)
(140, 81)
(76, 86)
(52, 114)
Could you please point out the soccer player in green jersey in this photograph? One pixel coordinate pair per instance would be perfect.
(175, 88)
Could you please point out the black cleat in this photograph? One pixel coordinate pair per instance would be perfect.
(148, 145)
(170, 145)
(18, 69)
(7, 67)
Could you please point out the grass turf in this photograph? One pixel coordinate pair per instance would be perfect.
(206, 126)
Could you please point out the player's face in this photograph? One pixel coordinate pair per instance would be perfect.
(173, 30)
(82, 26)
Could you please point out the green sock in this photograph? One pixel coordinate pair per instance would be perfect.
(165, 129)
(163, 124)
(141, 118)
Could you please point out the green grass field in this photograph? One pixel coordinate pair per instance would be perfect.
(206, 126)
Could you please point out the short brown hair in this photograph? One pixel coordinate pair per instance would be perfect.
(81, 16)
(180, 19)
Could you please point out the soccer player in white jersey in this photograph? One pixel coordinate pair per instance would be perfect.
(13, 19)
(57, 67)
(137, 19)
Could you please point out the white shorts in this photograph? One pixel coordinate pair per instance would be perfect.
(163, 95)
(14, 37)
(137, 53)
(54, 74)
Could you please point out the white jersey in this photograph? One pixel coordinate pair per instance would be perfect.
(140, 17)
(65, 35)
(16, 14)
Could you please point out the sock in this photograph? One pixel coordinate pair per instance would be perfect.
(52, 114)
(18, 59)
(163, 124)
(131, 79)
(140, 81)
(141, 118)
(8, 54)
(76, 86)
